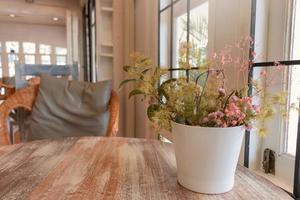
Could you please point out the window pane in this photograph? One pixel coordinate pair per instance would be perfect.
(45, 49)
(12, 58)
(164, 3)
(46, 60)
(29, 47)
(198, 36)
(165, 35)
(180, 37)
(296, 46)
(60, 51)
(0, 67)
(294, 92)
(11, 71)
(29, 59)
(12, 46)
(199, 29)
(293, 113)
(61, 60)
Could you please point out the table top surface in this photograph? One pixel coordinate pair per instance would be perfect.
(108, 168)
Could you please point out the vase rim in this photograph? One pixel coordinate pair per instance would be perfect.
(206, 127)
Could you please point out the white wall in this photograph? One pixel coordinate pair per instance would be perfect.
(52, 35)
(146, 43)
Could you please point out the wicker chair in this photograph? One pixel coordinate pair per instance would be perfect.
(7, 90)
(25, 98)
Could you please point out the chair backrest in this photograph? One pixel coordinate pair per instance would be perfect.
(24, 70)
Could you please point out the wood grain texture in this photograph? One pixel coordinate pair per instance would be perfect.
(108, 168)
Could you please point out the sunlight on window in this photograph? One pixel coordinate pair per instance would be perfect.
(28, 48)
(199, 27)
(29, 59)
(61, 60)
(198, 37)
(45, 49)
(1, 74)
(12, 59)
(61, 55)
(296, 50)
(12, 46)
(164, 3)
(294, 86)
(180, 34)
(60, 51)
(46, 60)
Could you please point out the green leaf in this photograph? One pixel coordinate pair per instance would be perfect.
(161, 90)
(162, 93)
(168, 81)
(125, 81)
(126, 68)
(151, 111)
(198, 77)
(143, 72)
(135, 92)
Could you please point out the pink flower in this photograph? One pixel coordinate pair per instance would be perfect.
(224, 125)
(222, 91)
(256, 108)
(212, 115)
(219, 122)
(235, 98)
(214, 55)
(263, 73)
(220, 114)
(247, 100)
(205, 120)
(234, 122)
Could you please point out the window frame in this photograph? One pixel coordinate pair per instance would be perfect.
(288, 62)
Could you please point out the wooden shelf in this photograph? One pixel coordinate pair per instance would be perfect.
(107, 9)
(107, 55)
(107, 44)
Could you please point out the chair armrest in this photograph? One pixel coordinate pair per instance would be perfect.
(114, 106)
(22, 98)
(8, 90)
(3, 85)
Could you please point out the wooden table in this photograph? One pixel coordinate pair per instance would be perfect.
(108, 168)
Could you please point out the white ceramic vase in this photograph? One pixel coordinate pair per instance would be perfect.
(207, 157)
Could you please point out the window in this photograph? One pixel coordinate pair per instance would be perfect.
(12, 50)
(89, 27)
(28, 53)
(12, 46)
(294, 84)
(45, 59)
(183, 35)
(29, 50)
(45, 49)
(1, 73)
(61, 56)
(45, 52)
